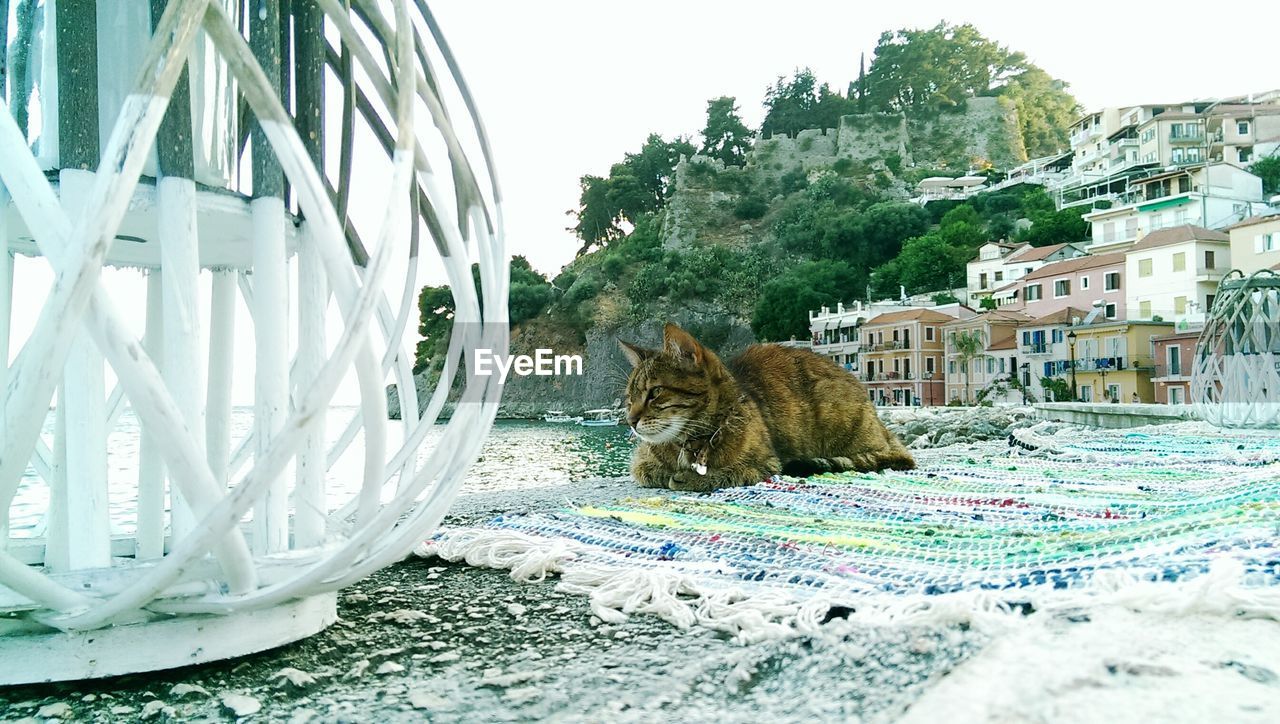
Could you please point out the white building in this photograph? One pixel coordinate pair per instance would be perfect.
(999, 263)
(1213, 196)
(1173, 274)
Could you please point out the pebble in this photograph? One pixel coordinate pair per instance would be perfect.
(156, 708)
(122, 710)
(420, 699)
(60, 710)
(389, 667)
(405, 615)
(239, 704)
(303, 715)
(180, 691)
(296, 678)
(517, 609)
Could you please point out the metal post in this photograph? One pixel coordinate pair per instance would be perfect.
(1071, 342)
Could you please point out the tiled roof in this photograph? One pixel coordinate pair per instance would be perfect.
(1177, 235)
(992, 316)
(1007, 342)
(906, 315)
(1252, 220)
(1062, 316)
(1036, 253)
(1080, 263)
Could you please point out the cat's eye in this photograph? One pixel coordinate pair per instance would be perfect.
(653, 393)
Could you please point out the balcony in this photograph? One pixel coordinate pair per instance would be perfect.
(1099, 364)
(887, 346)
(1035, 348)
(1196, 137)
(1166, 373)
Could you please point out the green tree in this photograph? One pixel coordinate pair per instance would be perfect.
(940, 67)
(782, 310)
(789, 104)
(639, 185)
(1056, 227)
(725, 136)
(969, 346)
(1267, 169)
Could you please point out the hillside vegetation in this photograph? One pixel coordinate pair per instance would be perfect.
(761, 236)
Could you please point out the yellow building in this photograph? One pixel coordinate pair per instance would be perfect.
(1255, 243)
(1115, 359)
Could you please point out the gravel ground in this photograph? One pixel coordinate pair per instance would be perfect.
(453, 643)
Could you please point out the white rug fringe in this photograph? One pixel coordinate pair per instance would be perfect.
(774, 613)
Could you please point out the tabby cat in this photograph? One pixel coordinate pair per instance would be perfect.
(705, 425)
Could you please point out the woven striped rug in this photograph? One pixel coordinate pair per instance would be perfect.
(1040, 520)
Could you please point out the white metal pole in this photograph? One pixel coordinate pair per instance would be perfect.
(183, 371)
(150, 533)
(271, 379)
(55, 529)
(222, 325)
(313, 296)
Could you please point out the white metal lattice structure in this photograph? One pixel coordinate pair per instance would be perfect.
(247, 555)
(1236, 378)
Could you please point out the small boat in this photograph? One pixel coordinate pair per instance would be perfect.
(559, 416)
(600, 418)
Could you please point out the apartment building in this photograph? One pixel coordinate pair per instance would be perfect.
(996, 330)
(902, 355)
(834, 333)
(1174, 357)
(1080, 282)
(1173, 274)
(1116, 359)
(1242, 134)
(1213, 196)
(1042, 344)
(999, 263)
(1255, 243)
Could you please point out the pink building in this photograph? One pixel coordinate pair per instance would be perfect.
(1175, 354)
(1075, 283)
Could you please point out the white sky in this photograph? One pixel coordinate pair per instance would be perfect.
(567, 87)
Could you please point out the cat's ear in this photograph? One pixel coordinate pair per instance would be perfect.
(635, 355)
(679, 343)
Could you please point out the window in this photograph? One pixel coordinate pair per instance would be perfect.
(1033, 293)
(1113, 392)
(928, 365)
(1242, 128)
(1109, 231)
(1144, 267)
(1110, 281)
(1026, 339)
(1110, 311)
(1061, 288)
(1264, 242)
(928, 334)
(1144, 310)
(1084, 282)
(1086, 393)
(991, 365)
(1175, 395)
(1208, 302)
(982, 281)
(1131, 227)
(1174, 357)
(1180, 261)
(1209, 261)
(951, 367)
(1179, 305)
(1056, 336)
(999, 276)
(1157, 222)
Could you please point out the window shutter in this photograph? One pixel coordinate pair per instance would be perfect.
(1257, 244)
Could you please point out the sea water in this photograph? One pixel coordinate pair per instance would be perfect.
(518, 454)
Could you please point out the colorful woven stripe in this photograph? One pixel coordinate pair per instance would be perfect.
(1047, 511)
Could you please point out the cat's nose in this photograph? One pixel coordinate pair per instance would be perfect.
(632, 419)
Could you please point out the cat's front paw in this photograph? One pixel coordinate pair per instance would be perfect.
(690, 481)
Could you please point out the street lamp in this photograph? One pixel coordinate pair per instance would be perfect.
(1071, 342)
(1026, 380)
